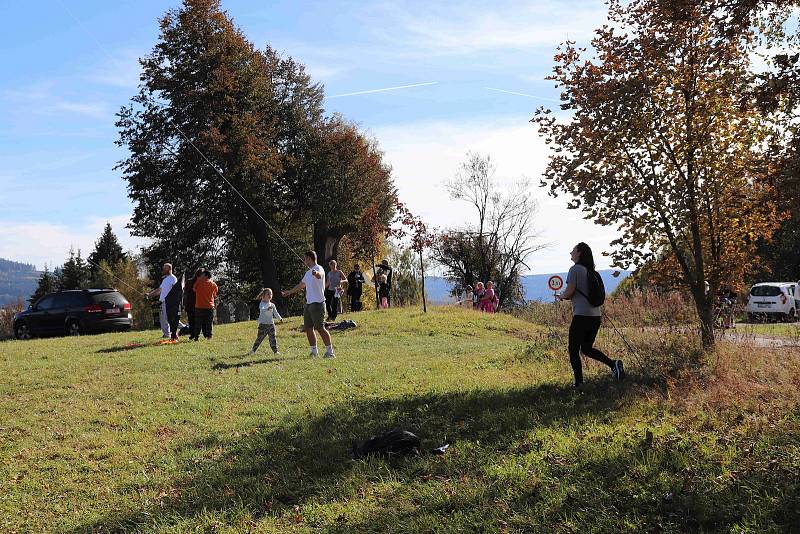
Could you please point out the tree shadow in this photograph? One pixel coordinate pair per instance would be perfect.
(269, 471)
(123, 348)
(219, 366)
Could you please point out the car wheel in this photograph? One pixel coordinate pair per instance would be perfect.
(22, 332)
(73, 328)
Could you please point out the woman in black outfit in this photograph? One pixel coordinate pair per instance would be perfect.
(586, 318)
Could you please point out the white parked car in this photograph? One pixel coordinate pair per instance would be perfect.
(773, 300)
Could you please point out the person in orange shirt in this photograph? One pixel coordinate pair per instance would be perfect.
(205, 291)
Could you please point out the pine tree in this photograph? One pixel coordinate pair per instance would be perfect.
(75, 272)
(47, 284)
(106, 249)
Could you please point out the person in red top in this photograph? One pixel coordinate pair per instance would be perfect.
(205, 291)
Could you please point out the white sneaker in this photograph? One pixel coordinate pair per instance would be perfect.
(314, 354)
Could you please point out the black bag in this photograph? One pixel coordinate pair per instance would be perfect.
(392, 443)
(597, 290)
(356, 305)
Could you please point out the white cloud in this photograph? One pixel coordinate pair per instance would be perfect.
(426, 154)
(121, 70)
(469, 27)
(42, 99)
(43, 243)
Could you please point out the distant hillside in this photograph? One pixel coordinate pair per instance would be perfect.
(17, 281)
(438, 289)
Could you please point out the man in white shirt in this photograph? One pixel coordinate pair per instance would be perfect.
(161, 292)
(314, 312)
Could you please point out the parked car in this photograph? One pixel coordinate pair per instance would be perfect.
(73, 313)
(773, 300)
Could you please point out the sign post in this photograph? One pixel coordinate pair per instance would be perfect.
(555, 283)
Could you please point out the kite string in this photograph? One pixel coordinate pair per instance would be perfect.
(115, 277)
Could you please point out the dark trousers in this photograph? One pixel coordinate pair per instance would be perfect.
(265, 330)
(191, 316)
(173, 314)
(331, 304)
(582, 333)
(204, 319)
(355, 297)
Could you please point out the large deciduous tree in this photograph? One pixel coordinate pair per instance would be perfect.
(663, 141)
(206, 92)
(348, 177)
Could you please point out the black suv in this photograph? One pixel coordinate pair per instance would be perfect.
(73, 313)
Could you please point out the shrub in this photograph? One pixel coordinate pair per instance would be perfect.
(7, 319)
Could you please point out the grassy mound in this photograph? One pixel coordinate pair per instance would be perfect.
(111, 432)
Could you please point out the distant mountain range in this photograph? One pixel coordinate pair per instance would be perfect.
(438, 289)
(17, 281)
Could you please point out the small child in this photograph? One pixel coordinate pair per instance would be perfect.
(477, 295)
(267, 312)
(383, 291)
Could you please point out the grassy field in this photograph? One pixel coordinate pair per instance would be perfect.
(99, 435)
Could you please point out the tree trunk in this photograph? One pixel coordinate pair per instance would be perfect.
(375, 283)
(705, 311)
(422, 274)
(326, 243)
(266, 261)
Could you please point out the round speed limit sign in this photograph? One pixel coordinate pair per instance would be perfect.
(555, 283)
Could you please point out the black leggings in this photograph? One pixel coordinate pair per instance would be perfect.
(582, 333)
(331, 304)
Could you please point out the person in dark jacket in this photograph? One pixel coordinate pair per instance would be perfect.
(355, 287)
(385, 270)
(189, 299)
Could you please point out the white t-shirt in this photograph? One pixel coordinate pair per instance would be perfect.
(166, 286)
(315, 287)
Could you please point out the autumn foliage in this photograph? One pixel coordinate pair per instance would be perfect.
(664, 141)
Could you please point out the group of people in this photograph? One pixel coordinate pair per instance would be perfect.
(336, 282)
(323, 294)
(482, 298)
(197, 295)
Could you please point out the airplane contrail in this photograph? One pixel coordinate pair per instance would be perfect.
(522, 94)
(370, 91)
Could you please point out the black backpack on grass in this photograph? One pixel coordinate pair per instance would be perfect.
(597, 290)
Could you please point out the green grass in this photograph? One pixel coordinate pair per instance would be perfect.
(201, 437)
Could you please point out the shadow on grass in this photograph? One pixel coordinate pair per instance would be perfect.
(268, 471)
(124, 348)
(224, 365)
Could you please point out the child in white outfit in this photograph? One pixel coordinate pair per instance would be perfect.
(267, 313)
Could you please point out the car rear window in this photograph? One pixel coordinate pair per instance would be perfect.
(766, 291)
(111, 296)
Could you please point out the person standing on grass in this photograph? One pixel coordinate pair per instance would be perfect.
(267, 313)
(355, 287)
(586, 318)
(314, 312)
(488, 298)
(205, 291)
(385, 274)
(189, 300)
(167, 282)
(333, 290)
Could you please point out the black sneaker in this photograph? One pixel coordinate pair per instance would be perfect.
(618, 370)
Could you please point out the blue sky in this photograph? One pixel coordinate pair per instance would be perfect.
(67, 67)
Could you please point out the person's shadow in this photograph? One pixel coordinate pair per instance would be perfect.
(267, 471)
